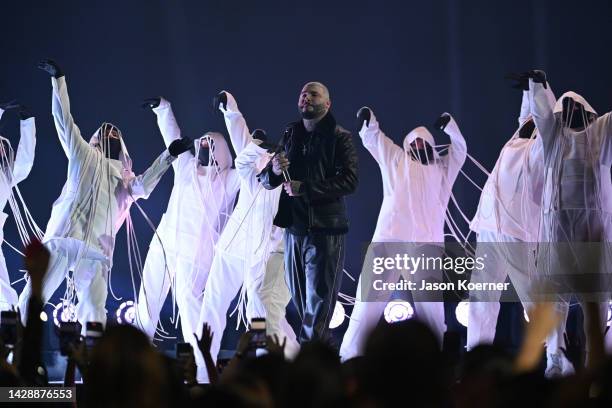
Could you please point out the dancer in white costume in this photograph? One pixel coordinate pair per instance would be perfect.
(94, 203)
(249, 252)
(14, 168)
(417, 185)
(576, 224)
(507, 224)
(181, 251)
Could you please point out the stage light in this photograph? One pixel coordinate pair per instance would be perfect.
(43, 316)
(338, 316)
(64, 312)
(398, 310)
(126, 313)
(462, 312)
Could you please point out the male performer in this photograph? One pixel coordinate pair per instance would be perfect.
(319, 169)
(94, 203)
(201, 201)
(417, 185)
(14, 168)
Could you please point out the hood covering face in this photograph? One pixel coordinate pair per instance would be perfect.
(577, 98)
(220, 150)
(575, 118)
(124, 156)
(423, 133)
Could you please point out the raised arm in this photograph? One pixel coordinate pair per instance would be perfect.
(247, 166)
(69, 133)
(457, 151)
(166, 121)
(143, 185)
(521, 82)
(525, 110)
(382, 148)
(541, 108)
(234, 121)
(7, 106)
(168, 128)
(24, 159)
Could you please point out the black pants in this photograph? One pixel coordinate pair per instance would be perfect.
(313, 268)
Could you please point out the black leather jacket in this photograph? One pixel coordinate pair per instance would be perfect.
(330, 171)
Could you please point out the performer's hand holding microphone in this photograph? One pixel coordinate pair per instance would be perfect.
(280, 165)
(280, 162)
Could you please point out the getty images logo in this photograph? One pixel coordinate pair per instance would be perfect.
(411, 264)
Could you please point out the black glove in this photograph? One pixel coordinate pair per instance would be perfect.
(10, 105)
(522, 80)
(51, 67)
(364, 114)
(24, 113)
(260, 134)
(537, 76)
(442, 121)
(179, 146)
(151, 103)
(220, 99)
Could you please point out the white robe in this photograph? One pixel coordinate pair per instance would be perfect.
(510, 202)
(576, 225)
(85, 219)
(415, 196)
(248, 255)
(507, 223)
(413, 211)
(577, 197)
(23, 162)
(200, 203)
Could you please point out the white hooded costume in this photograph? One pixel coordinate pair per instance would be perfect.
(249, 253)
(576, 201)
(507, 224)
(14, 169)
(181, 251)
(85, 219)
(413, 211)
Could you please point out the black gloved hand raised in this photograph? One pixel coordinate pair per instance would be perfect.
(442, 121)
(179, 146)
(364, 114)
(521, 80)
(24, 113)
(51, 67)
(537, 76)
(10, 105)
(220, 99)
(151, 103)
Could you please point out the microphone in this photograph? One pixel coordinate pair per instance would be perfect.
(281, 150)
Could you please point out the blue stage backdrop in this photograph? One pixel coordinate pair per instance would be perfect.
(409, 61)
